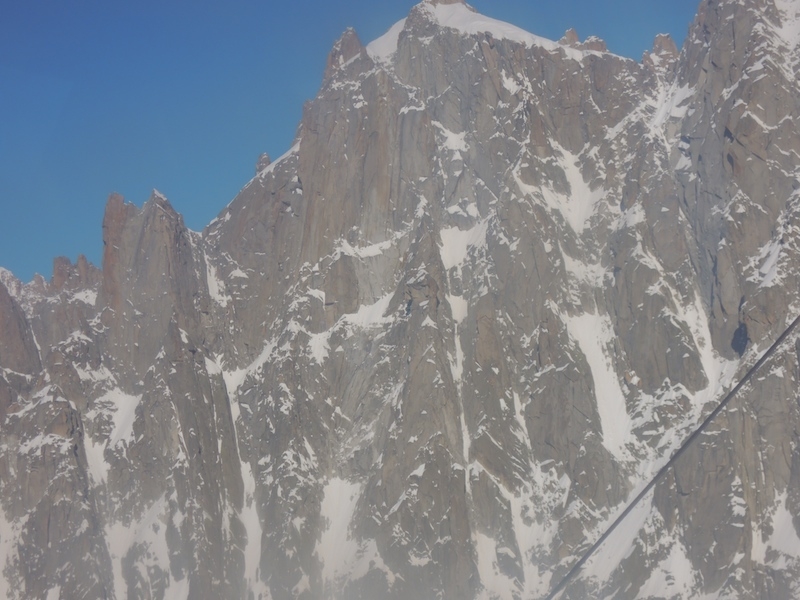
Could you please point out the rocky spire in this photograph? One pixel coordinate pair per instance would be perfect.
(263, 162)
(116, 216)
(346, 49)
(434, 347)
(570, 38)
(594, 44)
(81, 274)
(664, 55)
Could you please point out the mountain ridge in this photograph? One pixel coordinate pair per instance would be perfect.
(435, 348)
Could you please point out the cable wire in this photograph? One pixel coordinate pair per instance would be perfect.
(663, 470)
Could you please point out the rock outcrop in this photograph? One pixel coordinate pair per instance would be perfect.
(436, 348)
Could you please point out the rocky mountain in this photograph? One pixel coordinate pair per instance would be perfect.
(437, 347)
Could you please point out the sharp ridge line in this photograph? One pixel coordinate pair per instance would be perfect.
(664, 469)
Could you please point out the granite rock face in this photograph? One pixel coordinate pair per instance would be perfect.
(434, 349)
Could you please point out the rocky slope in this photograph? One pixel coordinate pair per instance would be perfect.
(434, 349)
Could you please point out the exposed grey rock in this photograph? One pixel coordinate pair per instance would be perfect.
(17, 347)
(434, 349)
(263, 162)
(570, 38)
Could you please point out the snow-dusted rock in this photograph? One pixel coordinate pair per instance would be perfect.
(435, 348)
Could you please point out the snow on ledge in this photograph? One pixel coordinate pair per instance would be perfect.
(271, 166)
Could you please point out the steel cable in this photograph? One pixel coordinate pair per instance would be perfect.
(664, 469)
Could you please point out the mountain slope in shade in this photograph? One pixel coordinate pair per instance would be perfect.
(434, 349)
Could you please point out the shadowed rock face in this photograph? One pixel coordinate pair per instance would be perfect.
(435, 348)
(17, 348)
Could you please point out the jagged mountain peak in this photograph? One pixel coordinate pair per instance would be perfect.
(663, 57)
(456, 15)
(664, 45)
(158, 199)
(118, 210)
(434, 348)
(346, 49)
(570, 38)
(436, 2)
(79, 275)
(779, 19)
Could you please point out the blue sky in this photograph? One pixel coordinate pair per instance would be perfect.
(98, 96)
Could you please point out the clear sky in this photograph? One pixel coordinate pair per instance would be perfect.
(183, 96)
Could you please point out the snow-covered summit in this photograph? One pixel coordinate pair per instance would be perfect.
(455, 15)
(441, 343)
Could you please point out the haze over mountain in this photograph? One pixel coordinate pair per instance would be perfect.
(437, 347)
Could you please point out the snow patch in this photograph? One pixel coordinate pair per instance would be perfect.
(592, 274)
(370, 315)
(428, 322)
(95, 457)
(456, 243)
(337, 551)
(318, 346)
(455, 142)
(458, 307)
(419, 212)
(150, 533)
(673, 104)
(86, 296)
(673, 577)
(344, 248)
(578, 204)
(593, 333)
(120, 409)
(512, 85)
(382, 49)
(252, 525)
(212, 367)
(367, 316)
(784, 540)
(789, 30)
(496, 584)
(318, 294)
(770, 270)
(8, 538)
(216, 287)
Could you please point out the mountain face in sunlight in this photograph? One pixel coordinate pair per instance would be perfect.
(437, 347)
